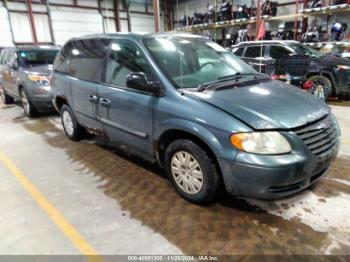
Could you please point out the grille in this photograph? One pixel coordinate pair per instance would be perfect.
(320, 137)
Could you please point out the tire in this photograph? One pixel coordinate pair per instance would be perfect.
(28, 107)
(199, 181)
(5, 98)
(326, 82)
(70, 125)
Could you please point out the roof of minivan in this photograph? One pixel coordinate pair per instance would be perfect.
(266, 42)
(137, 35)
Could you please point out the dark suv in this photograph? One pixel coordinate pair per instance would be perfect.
(331, 72)
(203, 114)
(25, 75)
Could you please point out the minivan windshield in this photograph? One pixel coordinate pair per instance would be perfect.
(305, 50)
(192, 61)
(37, 57)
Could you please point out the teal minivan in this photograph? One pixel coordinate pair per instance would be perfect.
(211, 121)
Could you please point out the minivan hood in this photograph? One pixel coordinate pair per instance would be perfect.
(267, 105)
(42, 69)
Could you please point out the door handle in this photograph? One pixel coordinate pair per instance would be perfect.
(105, 102)
(93, 98)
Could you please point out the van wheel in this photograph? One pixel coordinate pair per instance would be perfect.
(192, 171)
(5, 98)
(28, 107)
(71, 127)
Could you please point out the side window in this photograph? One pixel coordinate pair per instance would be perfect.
(4, 56)
(87, 59)
(238, 51)
(62, 60)
(125, 58)
(12, 58)
(1, 56)
(279, 51)
(255, 51)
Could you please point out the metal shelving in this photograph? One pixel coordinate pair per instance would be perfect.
(304, 13)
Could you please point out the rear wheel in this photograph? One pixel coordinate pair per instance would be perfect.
(192, 171)
(28, 107)
(71, 127)
(5, 98)
(323, 87)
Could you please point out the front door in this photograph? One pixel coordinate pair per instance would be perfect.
(126, 114)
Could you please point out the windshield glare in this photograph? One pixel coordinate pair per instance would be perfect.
(190, 62)
(306, 50)
(30, 58)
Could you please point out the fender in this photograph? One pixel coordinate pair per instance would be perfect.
(193, 128)
(325, 73)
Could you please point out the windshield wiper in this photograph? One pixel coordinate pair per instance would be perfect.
(234, 77)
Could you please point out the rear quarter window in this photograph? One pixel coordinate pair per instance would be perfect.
(238, 51)
(87, 58)
(255, 51)
(62, 60)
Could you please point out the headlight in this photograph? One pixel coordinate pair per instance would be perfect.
(267, 143)
(343, 67)
(40, 79)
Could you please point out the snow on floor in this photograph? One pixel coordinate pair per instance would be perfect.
(330, 215)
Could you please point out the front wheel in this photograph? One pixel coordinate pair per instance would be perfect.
(28, 107)
(71, 127)
(192, 171)
(322, 87)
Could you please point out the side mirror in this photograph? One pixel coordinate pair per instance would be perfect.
(13, 66)
(138, 80)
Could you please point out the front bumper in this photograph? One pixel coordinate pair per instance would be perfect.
(43, 103)
(273, 177)
(342, 84)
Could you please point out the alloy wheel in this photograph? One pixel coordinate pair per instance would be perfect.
(68, 123)
(187, 172)
(322, 87)
(25, 102)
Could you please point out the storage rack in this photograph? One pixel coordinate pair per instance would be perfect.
(303, 13)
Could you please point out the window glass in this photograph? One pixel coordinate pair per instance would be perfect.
(279, 51)
(305, 50)
(125, 58)
(87, 57)
(37, 57)
(1, 56)
(255, 51)
(238, 51)
(61, 63)
(12, 58)
(4, 58)
(191, 61)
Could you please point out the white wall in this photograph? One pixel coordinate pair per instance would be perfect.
(5, 32)
(68, 22)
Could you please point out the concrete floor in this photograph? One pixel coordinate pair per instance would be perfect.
(122, 205)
